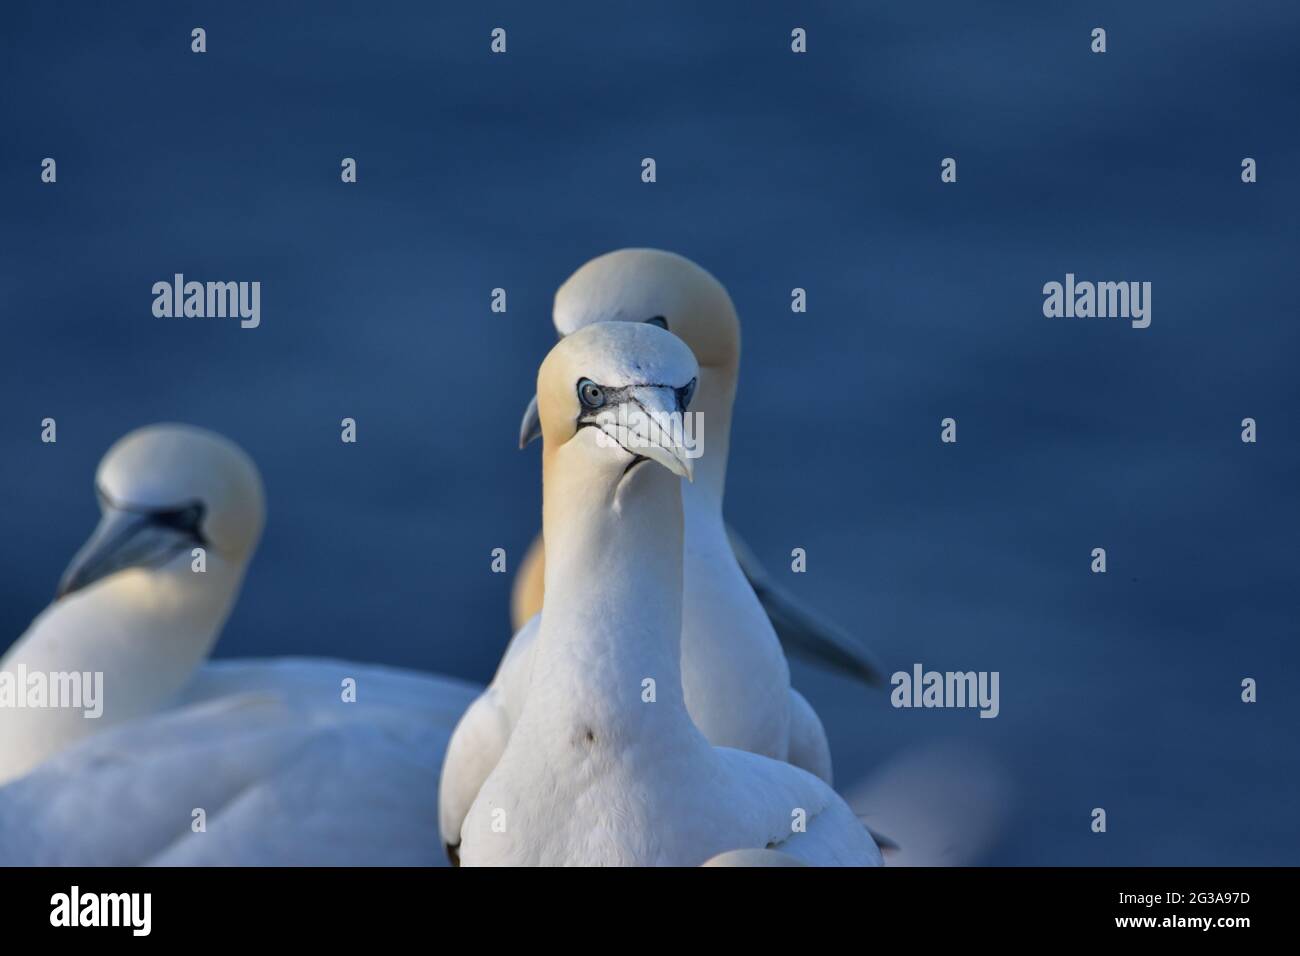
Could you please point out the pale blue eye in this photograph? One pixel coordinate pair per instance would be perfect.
(590, 394)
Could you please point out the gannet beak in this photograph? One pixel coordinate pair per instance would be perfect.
(124, 539)
(531, 426)
(650, 424)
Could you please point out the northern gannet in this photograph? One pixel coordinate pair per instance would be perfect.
(651, 285)
(735, 674)
(282, 768)
(604, 764)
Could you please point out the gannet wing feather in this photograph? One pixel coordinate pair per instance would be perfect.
(355, 794)
(809, 747)
(284, 770)
(315, 684)
(834, 837)
(797, 814)
(480, 738)
(886, 844)
(802, 632)
(117, 797)
(476, 746)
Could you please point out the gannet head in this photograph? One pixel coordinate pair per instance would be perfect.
(657, 287)
(163, 491)
(618, 392)
(652, 287)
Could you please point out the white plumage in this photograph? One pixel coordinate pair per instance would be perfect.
(733, 669)
(604, 765)
(282, 768)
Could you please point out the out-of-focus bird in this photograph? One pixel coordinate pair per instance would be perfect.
(240, 762)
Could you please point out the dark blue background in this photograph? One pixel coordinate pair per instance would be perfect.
(775, 171)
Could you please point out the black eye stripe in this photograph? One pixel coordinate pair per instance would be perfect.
(182, 519)
(186, 518)
(616, 395)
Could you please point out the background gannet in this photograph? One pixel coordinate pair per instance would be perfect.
(129, 604)
(595, 771)
(639, 285)
(736, 678)
(284, 771)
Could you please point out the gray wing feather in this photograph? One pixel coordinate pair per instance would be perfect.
(803, 633)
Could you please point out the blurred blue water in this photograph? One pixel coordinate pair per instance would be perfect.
(774, 171)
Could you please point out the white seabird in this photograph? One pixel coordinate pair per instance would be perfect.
(736, 678)
(283, 770)
(651, 285)
(604, 764)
